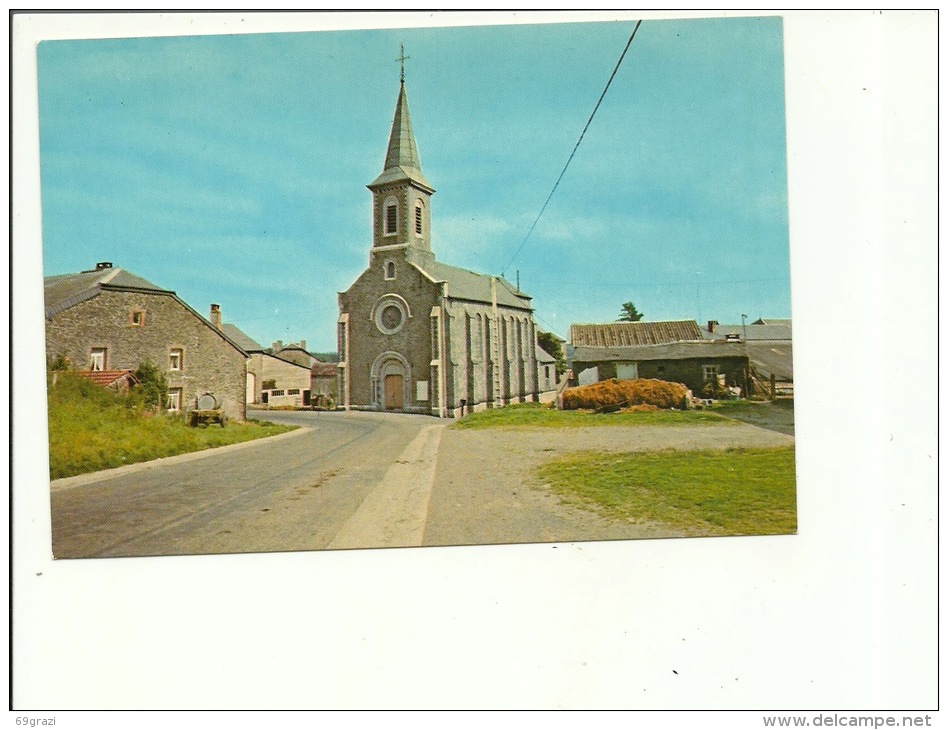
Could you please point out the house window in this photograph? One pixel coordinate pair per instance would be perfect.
(97, 358)
(276, 393)
(389, 270)
(293, 391)
(174, 399)
(391, 217)
(627, 370)
(418, 217)
(137, 318)
(176, 359)
(709, 372)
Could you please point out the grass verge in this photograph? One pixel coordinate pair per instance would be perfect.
(732, 492)
(91, 428)
(537, 415)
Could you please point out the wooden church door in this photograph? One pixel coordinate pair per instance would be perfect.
(393, 392)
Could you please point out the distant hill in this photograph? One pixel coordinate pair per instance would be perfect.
(326, 356)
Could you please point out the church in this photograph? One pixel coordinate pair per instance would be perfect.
(419, 336)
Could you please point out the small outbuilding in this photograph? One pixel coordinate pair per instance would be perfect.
(674, 351)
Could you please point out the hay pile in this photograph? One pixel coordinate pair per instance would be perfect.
(613, 395)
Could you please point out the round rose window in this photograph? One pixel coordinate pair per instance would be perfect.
(391, 317)
(390, 314)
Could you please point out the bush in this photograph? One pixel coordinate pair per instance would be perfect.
(613, 395)
(151, 391)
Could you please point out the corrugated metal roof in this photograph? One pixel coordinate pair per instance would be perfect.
(772, 358)
(633, 334)
(769, 331)
(464, 284)
(667, 351)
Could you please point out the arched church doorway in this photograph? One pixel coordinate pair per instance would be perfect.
(391, 377)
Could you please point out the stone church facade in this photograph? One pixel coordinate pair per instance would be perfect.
(417, 335)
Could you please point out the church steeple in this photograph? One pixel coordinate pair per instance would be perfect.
(401, 193)
(401, 160)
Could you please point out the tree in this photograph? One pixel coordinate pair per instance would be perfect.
(552, 345)
(630, 313)
(152, 388)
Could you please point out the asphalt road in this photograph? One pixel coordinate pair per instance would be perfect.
(302, 491)
(358, 480)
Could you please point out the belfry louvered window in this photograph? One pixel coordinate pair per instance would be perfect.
(391, 219)
(418, 218)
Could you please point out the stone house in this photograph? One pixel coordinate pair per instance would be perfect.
(272, 379)
(294, 352)
(110, 319)
(415, 334)
(673, 351)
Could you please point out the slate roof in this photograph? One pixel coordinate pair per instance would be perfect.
(65, 291)
(667, 351)
(246, 344)
(324, 370)
(543, 356)
(401, 159)
(474, 287)
(633, 334)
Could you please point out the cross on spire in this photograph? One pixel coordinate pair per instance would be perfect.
(402, 58)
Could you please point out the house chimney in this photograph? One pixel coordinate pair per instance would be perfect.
(711, 324)
(278, 345)
(302, 344)
(102, 265)
(216, 315)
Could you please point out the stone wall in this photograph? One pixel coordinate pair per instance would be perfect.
(367, 341)
(209, 362)
(470, 330)
(689, 372)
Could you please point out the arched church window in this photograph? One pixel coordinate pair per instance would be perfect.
(389, 270)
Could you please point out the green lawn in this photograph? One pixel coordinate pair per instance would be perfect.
(536, 415)
(732, 492)
(91, 428)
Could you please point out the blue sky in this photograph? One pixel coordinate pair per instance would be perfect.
(232, 168)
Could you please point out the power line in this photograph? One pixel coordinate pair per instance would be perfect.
(576, 147)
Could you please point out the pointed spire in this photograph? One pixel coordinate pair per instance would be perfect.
(401, 159)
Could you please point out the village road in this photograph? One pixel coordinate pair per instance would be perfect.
(300, 491)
